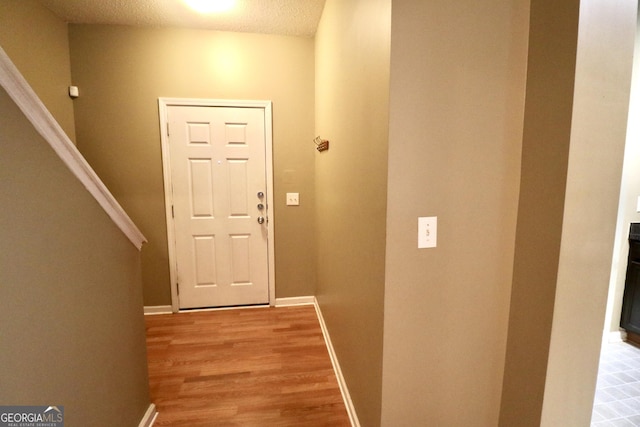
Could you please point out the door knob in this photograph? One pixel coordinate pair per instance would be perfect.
(260, 220)
(260, 206)
(260, 194)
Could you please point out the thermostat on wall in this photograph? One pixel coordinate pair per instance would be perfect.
(73, 92)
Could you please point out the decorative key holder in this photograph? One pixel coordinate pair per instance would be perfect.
(321, 144)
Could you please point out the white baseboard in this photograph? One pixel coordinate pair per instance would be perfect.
(284, 302)
(149, 416)
(280, 302)
(614, 336)
(157, 309)
(351, 410)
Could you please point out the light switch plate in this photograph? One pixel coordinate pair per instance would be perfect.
(293, 199)
(427, 232)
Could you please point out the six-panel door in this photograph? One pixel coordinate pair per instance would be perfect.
(217, 157)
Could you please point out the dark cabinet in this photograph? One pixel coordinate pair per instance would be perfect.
(630, 319)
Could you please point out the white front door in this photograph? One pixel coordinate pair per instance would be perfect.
(218, 187)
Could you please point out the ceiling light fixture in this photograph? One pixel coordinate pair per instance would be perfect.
(211, 6)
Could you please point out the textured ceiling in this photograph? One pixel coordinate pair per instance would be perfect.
(285, 17)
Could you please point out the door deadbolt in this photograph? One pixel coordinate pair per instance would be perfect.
(260, 194)
(260, 206)
(260, 220)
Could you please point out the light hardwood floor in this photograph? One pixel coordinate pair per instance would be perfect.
(245, 367)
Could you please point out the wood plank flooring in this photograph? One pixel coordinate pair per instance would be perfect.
(245, 367)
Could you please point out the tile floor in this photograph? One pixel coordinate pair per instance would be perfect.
(617, 400)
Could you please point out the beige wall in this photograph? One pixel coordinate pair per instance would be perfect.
(547, 129)
(121, 72)
(352, 81)
(598, 130)
(37, 43)
(575, 120)
(456, 113)
(627, 208)
(72, 329)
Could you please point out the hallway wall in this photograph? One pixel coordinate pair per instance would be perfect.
(547, 131)
(456, 113)
(604, 61)
(352, 83)
(628, 204)
(72, 329)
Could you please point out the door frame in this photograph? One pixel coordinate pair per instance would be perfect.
(163, 105)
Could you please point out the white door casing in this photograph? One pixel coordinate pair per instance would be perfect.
(217, 157)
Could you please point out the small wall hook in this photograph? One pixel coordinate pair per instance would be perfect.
(321, 144)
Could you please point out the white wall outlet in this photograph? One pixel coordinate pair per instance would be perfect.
(293, 199)
(427, 232)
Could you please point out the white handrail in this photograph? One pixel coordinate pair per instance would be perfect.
(26, 99)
